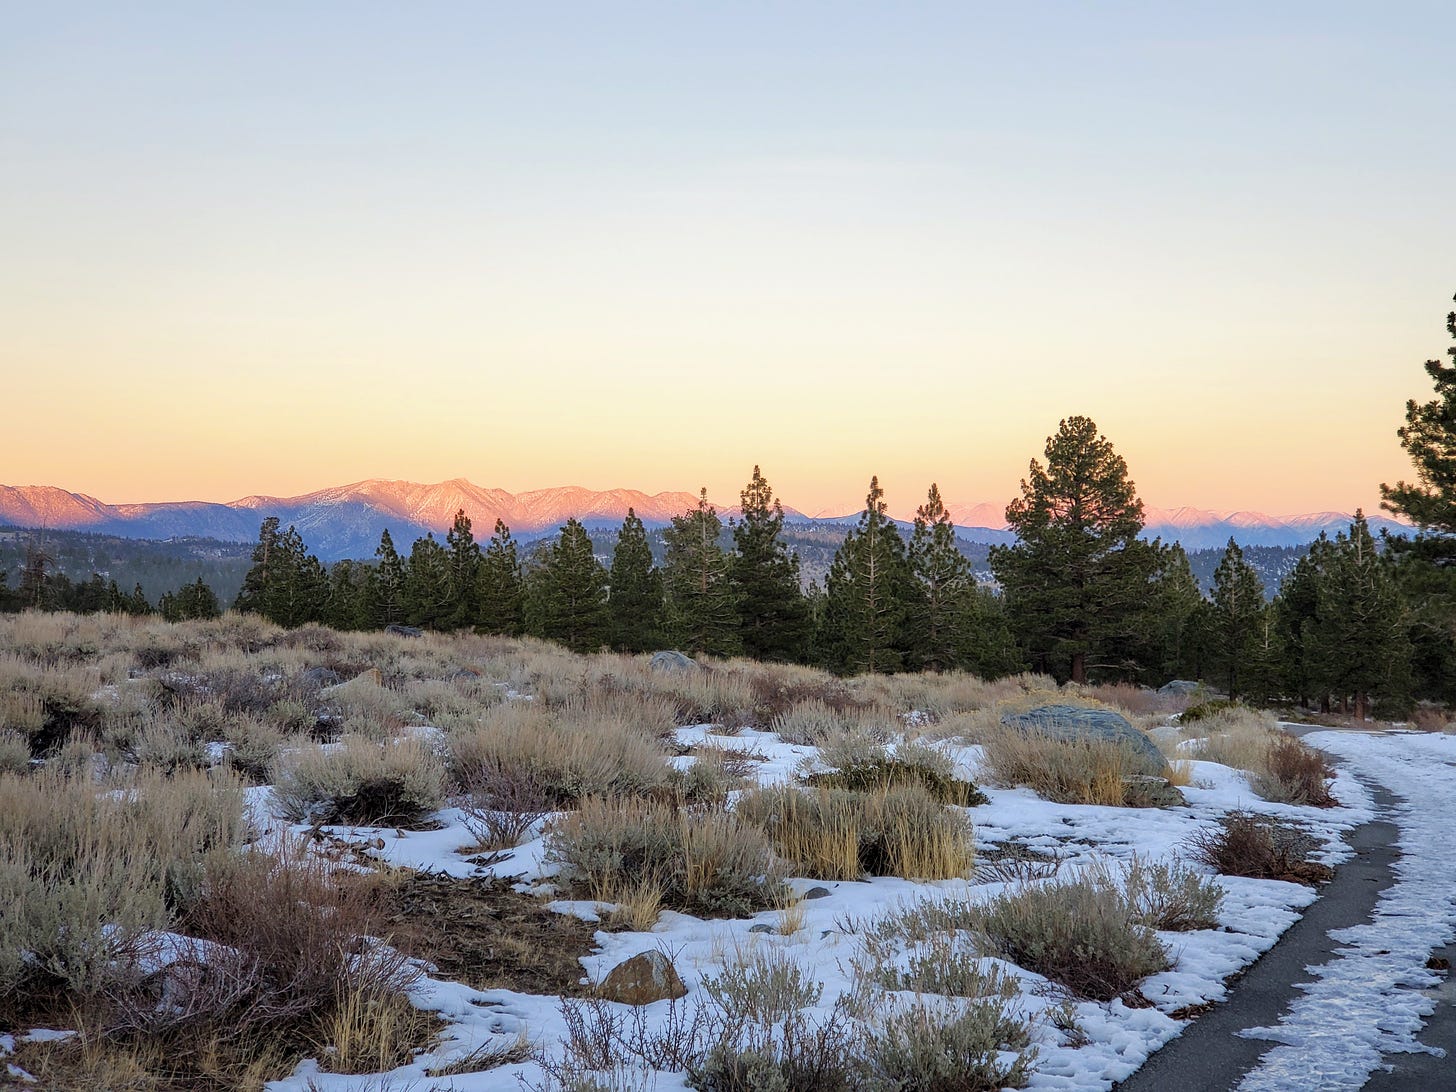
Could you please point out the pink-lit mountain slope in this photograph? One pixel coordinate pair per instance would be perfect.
(346, 520)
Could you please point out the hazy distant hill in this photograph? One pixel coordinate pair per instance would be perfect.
(346, 521)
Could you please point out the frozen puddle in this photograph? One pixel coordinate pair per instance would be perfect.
(1367, 1001)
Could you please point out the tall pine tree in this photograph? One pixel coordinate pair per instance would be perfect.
(1076, 581)
(774, 622)
(573, 592)
(867, 594)
(386, 590)
(943, 581)
(699, 603)
(1429, 437)
(427, 584)
(500, 585)
(1237, 616)
(634, 600)
(286, 584)
(462, 574)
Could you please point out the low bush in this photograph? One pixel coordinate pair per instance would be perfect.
(1205, 710)
(566, 753)
(707, 862)
(1250, 845)
(764, 985)
(162, 745)
(1171, 896)
(1294, 773)
(14, 752)
(835, 834)
(361, 782)
(944, 1048)
(880, 769)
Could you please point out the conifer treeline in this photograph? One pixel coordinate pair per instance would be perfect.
(1081, 596)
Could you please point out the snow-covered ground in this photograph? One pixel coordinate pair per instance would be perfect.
(1366, 1001)
(1118, 1037)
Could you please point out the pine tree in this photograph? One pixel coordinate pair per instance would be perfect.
(1429, 437)
(774, 622)
(349, 606)
(1176, 618)
(427, 584)
(1359, 625)
(385, 589)
(286, 584)
(572, 592)
(867, 593)
(195, 600)
(1076, 581)
(500, 585)
(943, 578)
(987, 646)
(1237, 616)
(462, 574)
(1294, 613)
(701, 613)
(634, 603)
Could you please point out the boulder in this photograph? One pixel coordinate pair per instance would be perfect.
(1072, 722)
(405, 631)
(1179, 687)
(668, 660)
(643, 979)
(321, 677)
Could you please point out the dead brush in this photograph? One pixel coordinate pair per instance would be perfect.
(1249, 845)
(1295, 773)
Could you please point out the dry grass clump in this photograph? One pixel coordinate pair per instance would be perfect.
(1249, 845)
(14, 752)
(814, 723)
(866, 765)
(706, 862)
(948, 1048)
(1431, 718)
(564, 754)
(252, 749)
(836, 834)
(1079, 771)
(166, 746)
(361, 782)
(1281, 767)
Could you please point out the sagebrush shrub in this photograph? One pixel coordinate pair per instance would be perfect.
(566, 753)
(707, 862)
(943, 1048)
(362, 782)
(1250, 845)
(1171, 896)
(1295, 773)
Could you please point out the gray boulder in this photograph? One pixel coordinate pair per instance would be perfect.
(405, 631)
(321, 677)
(642, 980)
(1179, 687)
(668, 660)
(1071, 722)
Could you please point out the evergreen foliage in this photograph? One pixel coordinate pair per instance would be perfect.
(868, 592)
(1359, 636)
(700, 607)
(634, 603)
(570, 592)
(462, 574)
(501, 610)
(1076, 582)
(774, 621)
(1176, 630)
(1237, 617)
(387, 584)
(938, 613)
(286, 584)
(427, 584)
(195, 600)
(1429, 437)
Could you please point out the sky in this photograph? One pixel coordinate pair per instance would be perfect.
(268, 248)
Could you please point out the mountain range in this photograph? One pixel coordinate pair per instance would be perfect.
(346, 520)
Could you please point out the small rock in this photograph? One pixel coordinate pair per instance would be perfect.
(643, 979)
(405, 631)
(668, 660)
(760, 928)
(816, 893)
(321, 676)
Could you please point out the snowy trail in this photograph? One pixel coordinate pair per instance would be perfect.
(1367, 1001)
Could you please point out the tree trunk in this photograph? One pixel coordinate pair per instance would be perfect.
(1079, 667)
(1362, 705)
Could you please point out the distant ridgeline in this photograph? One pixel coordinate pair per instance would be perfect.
(158, 566)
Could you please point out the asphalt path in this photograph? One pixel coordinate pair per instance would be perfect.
(1211, 1055)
